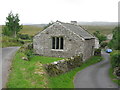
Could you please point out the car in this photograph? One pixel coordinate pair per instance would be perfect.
(108, 50)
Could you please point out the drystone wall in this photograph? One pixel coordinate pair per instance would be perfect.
(63, 66)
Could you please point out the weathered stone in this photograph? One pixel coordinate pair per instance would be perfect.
(76, 41)
(25, 58)
(63, 66)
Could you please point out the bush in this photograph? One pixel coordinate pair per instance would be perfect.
(100, 36)
(20, 41)
(30, 46)
(103, 44)
(27, 49)
(29, 54)
(97, 52)
(115, 59)
(117, 71)
(115, 42)
(24, 36)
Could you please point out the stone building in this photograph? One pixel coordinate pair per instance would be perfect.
(97, 45)
(64, 40)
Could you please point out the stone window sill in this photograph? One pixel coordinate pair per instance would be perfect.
(57, 50)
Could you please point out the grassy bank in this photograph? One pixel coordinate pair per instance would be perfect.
(115, 55)
(29, 74)
(66, 80)
(8, 41)
(113, 77)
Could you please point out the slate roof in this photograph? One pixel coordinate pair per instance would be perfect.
(78, 30)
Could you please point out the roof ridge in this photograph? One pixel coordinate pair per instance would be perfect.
(70, 30)
(79, 29)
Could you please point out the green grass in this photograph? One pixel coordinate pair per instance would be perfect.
(113, 77)
(45, 60)
(66, 80)
(8, 41)
(29, 74)
(103, 29)
(30, 30)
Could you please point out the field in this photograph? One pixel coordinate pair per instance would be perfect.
(30, 30)
(103, 29)
(33, 29)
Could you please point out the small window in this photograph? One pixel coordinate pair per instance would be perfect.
(53, 42)
(61, 43)
(57, 42)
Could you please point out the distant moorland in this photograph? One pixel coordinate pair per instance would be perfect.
(104, 28)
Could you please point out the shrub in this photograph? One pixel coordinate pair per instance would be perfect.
(103, 44)
(29, 54)
(117, 71)
(30, 46)
(27, 49)
(100, 36)
(20, 41)
(115, 59)
(24, 36)
(97, 52)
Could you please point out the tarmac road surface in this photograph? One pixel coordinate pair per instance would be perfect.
(95, 76)
(7, 56)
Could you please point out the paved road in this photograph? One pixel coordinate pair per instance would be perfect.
(7, 56)
(95, 76)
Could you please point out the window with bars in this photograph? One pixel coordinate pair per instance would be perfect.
(57, 42)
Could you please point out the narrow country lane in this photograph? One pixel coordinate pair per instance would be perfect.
(7, 56)
(95, 76)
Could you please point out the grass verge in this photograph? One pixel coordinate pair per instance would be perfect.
(66, 80)
(113, 77)
(8, 41)
(29, 74)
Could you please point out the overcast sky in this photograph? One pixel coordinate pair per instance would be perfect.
(44, 11)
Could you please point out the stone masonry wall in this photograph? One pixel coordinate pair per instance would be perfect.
(63, 66)
(88, 49)
(73, 44)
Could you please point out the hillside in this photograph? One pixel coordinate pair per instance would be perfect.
(0, 29)
(31, 30)
(99, 23)
(104, 29)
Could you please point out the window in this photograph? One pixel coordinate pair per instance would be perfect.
(57, 42)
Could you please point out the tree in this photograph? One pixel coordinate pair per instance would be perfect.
(12, 26)
(115, 42)
(100, 36)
